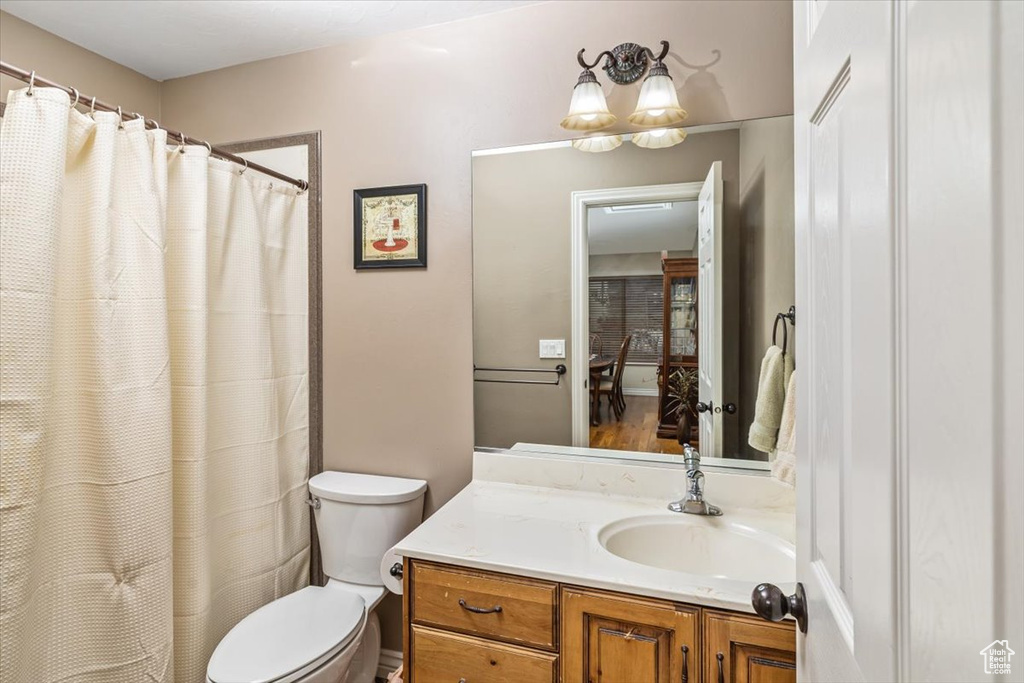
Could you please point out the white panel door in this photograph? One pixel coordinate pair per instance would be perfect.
(908, 166)
(844, 298)
(709, 313)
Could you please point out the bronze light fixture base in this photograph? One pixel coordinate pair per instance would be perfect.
(625, 63)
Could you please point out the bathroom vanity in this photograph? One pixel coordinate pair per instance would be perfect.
(546, 631)
(574, 570)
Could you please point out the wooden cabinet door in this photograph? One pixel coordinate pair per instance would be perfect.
(621, 639)
(746, 649)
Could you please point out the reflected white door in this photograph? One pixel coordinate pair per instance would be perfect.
(709, 313)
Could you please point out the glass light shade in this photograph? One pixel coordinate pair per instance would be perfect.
(588, 109)
(598, 143)
(658, 104)
(660, 138)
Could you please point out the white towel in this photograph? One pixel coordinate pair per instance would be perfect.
(776, 369)
(784, 464)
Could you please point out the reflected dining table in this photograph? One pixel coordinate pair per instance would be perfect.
(598, 366)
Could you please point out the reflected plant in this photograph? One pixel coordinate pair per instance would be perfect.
(681, 391)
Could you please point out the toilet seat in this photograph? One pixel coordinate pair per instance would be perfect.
(289, 637)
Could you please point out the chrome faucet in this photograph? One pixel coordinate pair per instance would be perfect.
(694, 503)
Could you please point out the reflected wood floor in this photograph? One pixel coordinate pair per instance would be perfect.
(638, 430)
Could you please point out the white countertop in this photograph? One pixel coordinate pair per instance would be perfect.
(551, 531)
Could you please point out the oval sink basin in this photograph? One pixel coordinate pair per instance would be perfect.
(706, 546)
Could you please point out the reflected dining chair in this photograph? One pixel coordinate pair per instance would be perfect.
(612, 386)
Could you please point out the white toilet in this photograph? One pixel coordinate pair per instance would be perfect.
(328, 634)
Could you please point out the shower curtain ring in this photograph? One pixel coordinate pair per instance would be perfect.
(31, 84)
(208, 146)
(245, 168)
(77, 96)
(120, 119)
(92, 107)
(181, 146)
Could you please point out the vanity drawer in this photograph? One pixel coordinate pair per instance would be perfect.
(496, 606)
(450, 657)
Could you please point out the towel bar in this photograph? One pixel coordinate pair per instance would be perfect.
(559, 370)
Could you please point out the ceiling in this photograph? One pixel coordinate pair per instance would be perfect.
(170, 38)
(642, 232)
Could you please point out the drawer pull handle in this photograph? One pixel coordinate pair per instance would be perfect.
(721, 675)
(479, 610)
(686, 664)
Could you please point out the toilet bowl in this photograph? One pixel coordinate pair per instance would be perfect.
(328, 634)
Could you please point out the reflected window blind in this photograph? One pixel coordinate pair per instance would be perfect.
(628, 305)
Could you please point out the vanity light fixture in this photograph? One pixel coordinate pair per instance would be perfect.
(597, 143)
(660, 138)
(588, 110)
(657, 105)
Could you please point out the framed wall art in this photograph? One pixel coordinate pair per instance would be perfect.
(390, 226)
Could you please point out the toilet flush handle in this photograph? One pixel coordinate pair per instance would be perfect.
(313, 502)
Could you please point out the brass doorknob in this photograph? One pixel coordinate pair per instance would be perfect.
(772, 604)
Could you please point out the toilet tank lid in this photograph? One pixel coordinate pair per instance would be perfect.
(369, 489)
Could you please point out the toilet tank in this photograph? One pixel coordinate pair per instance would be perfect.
(360, 517)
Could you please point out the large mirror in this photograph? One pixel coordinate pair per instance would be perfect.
(626, 301)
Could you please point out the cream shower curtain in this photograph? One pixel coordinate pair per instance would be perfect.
(153, 397)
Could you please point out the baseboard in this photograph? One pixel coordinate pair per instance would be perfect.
(389, 661)
(640, 392)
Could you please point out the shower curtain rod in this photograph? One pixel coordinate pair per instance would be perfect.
(33, 80)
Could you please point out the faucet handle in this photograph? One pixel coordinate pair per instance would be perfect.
(696, 478)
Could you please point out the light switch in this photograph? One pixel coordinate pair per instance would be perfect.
(552, 348)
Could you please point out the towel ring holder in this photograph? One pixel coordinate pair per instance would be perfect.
(780, 318)
(787, 319)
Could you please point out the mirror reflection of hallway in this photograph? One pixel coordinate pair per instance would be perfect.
(529, 262)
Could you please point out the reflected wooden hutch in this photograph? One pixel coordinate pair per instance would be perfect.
(679, 336)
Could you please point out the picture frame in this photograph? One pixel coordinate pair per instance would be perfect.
(390, 227)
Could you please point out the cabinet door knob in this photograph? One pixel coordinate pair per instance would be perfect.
(721, 674)
(730, 408)
(686, 664)
(772, 604)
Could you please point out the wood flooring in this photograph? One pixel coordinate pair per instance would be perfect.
(638, 430)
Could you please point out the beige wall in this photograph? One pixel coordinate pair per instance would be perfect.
(769, 260)
(33, 49)
(621, 265)
(521, 265)
(408, 108)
